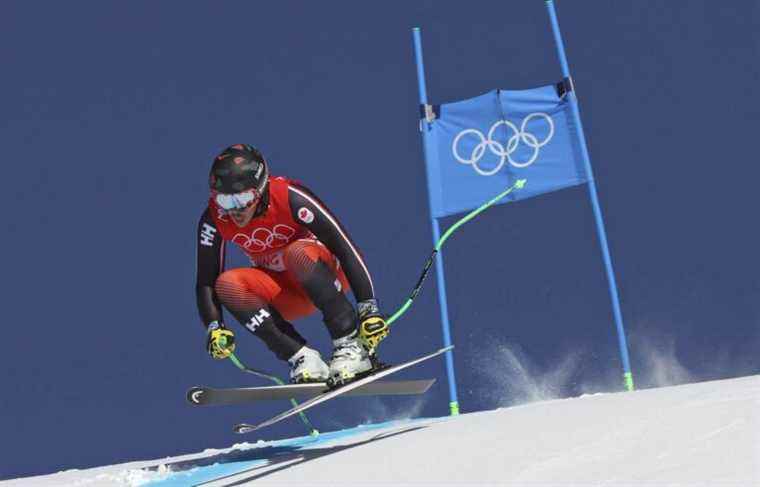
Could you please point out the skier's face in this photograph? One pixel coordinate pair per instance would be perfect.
(242, 217)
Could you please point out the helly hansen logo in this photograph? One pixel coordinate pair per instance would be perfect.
(257, 320)
(207, 235)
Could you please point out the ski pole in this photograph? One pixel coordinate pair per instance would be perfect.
(519, 184)
(259, 373)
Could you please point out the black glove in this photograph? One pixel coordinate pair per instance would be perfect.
(372, 326)
(220, 342)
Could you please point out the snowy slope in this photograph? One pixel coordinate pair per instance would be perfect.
(704, 434)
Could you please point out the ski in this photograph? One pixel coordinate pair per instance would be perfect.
(204, 396)
(247, 428)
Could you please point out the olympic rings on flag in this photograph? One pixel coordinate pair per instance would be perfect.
(504, 152)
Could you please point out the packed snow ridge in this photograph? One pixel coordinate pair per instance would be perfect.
(704, 434)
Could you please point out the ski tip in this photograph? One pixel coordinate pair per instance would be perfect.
(429, 385)
(195, 395)
(243, 428)
(446, 349)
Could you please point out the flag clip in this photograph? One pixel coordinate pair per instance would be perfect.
(429, 112)
(565, 86)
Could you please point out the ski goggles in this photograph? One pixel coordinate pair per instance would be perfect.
(237, 201)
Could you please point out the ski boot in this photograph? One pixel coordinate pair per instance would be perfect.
(306, 365)
(350, 361)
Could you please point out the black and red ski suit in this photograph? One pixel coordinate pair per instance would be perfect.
(302, 260)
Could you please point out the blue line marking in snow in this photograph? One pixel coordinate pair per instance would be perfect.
(239, 460)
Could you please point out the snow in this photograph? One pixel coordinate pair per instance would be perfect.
(704, 434)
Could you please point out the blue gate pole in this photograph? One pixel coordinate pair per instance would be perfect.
(627, 375)
(424, 125)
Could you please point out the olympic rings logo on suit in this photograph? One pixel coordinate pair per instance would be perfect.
(504, 152)
(263, 238)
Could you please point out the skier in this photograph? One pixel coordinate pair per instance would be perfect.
(302, 261)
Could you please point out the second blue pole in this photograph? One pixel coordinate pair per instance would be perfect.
(622, 344)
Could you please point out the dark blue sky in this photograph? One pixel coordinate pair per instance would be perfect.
(111, 113)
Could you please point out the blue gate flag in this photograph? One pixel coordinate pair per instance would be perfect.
(477, 147)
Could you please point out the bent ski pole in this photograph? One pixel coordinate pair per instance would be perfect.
(519, 184)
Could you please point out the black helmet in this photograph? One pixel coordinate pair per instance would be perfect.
(239, 168)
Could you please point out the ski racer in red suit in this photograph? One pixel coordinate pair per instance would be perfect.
(302, 260)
